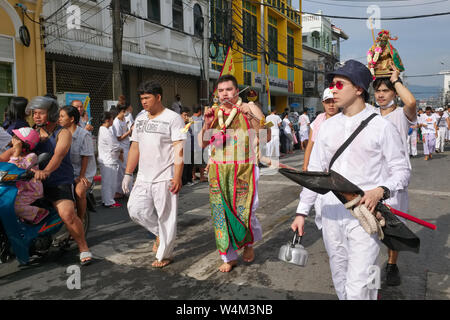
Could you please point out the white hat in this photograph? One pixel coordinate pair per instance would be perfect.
(327, 94)
(440, 109)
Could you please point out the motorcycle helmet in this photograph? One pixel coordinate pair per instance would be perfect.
(45, 103)
(27, 135)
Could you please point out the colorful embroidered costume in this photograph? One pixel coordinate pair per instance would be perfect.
(232, 184)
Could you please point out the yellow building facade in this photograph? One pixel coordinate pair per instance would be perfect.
(275, 52)
(22, 57)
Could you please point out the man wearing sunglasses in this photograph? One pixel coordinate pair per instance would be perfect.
(386, 92)
(352, 251)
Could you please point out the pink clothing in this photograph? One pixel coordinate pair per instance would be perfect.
(315, 125)
(28, 191)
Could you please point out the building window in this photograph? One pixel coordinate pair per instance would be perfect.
(154, 10)
(315, 39)
(291, 74)
(273, 70)
(218, 18)
(273, 42)
(290, 50)
(250, 28)
(7, 73)
(177, 14)
(198, 20)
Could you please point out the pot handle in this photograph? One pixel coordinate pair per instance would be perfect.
(296, 238)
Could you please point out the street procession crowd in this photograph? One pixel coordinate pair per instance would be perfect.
(148, 159)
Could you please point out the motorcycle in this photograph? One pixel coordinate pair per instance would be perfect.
(23, 239)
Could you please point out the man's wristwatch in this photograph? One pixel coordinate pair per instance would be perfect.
(386, 193)
(398, 80)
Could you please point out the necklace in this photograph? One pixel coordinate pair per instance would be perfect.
(223, 126)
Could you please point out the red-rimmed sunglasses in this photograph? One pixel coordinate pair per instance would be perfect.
(339, 85)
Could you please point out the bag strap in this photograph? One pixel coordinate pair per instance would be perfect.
(351, 138)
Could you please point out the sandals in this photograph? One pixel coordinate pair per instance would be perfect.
(85, 258)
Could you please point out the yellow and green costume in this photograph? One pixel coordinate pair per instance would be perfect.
(232, 185)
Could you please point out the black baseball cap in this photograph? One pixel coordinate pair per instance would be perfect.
(355, 71)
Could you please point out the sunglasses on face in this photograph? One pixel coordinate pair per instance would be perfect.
(338, 84)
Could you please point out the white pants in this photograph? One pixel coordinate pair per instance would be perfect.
(273, 147)
(154, 207)
(440, 141)
(351, 250)
(304, 135)
(411, 142)
(109, 180)
(121, 172)
(254, 223)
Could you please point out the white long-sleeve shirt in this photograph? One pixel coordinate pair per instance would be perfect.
(108, 147)
(378, 145)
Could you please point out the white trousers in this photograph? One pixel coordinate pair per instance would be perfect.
(154, 207)
(121, 172)
(352, 251)
(440, 141)
(109, 179)
(411, 142)
(254, 222)
(304, 134)
(273, 147)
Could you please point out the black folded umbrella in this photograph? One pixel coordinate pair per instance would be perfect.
(397, 236)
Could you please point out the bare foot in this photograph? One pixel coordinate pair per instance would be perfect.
(161, 264)
(228, 266)
(156, 245)
(249, 254)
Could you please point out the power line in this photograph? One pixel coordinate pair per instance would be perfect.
(356, 6)
(347, 17)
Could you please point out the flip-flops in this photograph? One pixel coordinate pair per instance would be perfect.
(85, 258)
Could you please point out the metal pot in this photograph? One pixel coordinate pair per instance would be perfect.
(294, 252)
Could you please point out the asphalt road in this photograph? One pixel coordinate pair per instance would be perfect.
(123, 255)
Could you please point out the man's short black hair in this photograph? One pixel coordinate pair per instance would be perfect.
(185, 109)
(428, 108)
(197, 109)
(226, 78)
(386, 81)
(121, 107)
(150, 87)
(106, 116)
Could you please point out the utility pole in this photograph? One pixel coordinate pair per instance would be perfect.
(117, 50)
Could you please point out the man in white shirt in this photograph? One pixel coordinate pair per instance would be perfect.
(352, 251)
(157, 145)
(304, 129)
(273, 146)
(442, 121)
(122, 133)
(427, 123)
(176, 105)
(447, 114)
(386, 91)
